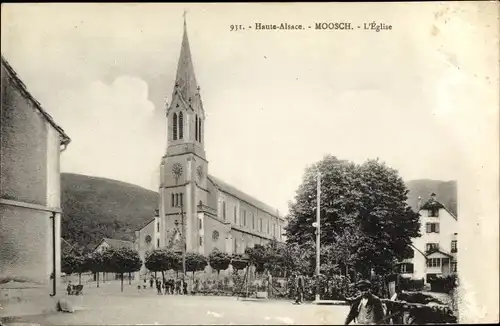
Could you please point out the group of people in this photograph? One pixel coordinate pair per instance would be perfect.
(168, 286)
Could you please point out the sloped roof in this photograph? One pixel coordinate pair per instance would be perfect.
(117, 244)
(432, 203)
(65, 140)
(441, 251)
(145, 224)
(227, 188)
(66, 246)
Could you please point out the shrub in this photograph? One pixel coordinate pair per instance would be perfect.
(443, 284)
(408, 284)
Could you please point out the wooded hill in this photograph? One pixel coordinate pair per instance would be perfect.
(94, 208)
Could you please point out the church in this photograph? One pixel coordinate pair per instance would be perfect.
(196, 208)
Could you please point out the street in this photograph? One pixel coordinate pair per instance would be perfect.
(107, 305)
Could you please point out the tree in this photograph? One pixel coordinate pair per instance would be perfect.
(238, 262)
(123, 260)
(74, 263)
(258, 257)
(161, 260)
(364, 214)
(195, 262)
(96, 264)
(219, 260)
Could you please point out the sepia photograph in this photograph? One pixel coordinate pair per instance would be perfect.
(249, 163)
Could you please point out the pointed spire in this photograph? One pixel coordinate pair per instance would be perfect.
(185, 82)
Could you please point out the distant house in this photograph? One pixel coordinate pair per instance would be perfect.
(113, 243)
(435, 252)
(30, 195)
(66, 247)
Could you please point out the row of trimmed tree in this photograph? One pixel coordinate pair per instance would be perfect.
(275, 257)
(111, 260)
(163, 259)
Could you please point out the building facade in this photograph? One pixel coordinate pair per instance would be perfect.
(435, 252)
(147, 239)
(195, 206)
(30, 198)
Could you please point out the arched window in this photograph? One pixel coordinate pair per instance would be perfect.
(180, 203)
(173, 200)
(196, 128)
(224, 210)
(176, 199)
(174, 127)
(200, 133)
(181, 125)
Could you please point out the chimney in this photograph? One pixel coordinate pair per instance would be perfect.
(419, 203)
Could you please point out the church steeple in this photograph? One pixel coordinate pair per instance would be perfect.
(185, 81)
(185, 114)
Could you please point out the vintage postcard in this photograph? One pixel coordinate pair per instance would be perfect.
(249, 163)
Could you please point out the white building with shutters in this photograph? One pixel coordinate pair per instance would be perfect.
(435, 252)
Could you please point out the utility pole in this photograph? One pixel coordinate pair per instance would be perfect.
(318, 230)
(183, 240)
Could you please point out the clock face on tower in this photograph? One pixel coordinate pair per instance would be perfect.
(199, 171)
(177, 170)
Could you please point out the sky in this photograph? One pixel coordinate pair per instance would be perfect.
(422, 97)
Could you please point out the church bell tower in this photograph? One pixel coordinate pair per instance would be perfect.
(183, 169)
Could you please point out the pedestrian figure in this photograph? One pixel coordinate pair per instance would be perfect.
(185, 287)
(151, 281)
(178, 286)
(269, 284)
(69, 288)
(165, 287)
(300, 285)
(366, 309)
(158, 287)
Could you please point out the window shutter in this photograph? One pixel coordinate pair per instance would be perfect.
(409, 268)
(181, 125)
(174, 127)
(196, 127)
(428, 227)
(437, 227)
